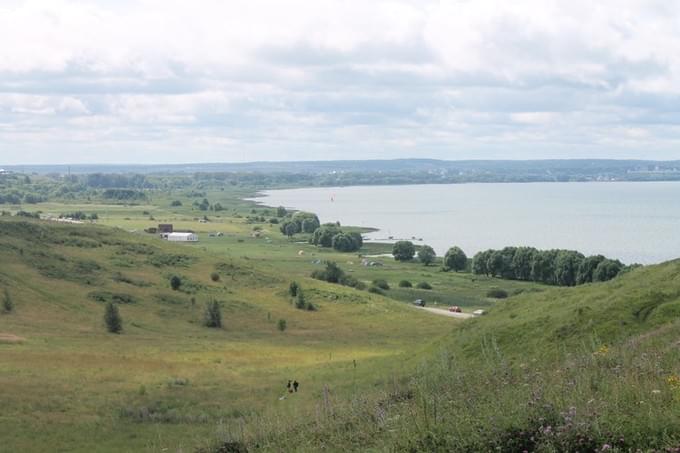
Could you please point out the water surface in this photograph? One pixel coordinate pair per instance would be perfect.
(631, 221)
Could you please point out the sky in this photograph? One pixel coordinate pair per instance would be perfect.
(168, 81)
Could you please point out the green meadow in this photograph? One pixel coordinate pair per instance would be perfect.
(547, 369)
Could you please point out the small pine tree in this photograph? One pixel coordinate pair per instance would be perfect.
(213, 315)
(293, 289)
(114, 323)
(215, 277)
(175, 282)
(282, 325)
(7, 303)
(300, 301)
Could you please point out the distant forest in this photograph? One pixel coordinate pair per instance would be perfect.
(133, 183)
(399, 171)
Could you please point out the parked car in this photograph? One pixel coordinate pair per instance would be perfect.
(479, 312)
(419, 302)
(455, 309)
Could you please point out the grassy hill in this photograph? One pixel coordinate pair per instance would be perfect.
(168, 381)
(591, 368)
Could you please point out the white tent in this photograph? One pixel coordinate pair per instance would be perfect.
(182, 237)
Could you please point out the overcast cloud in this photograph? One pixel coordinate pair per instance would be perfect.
(212, 81)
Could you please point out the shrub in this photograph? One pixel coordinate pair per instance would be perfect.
(112, 319)
(332, 273)
(497, 293)
(423, 285)
(7, 303)
(311, 306)
(175, 282)
(405, 284)
(281, 325)
(212, 315)
(176, 203)
(380, 283)
(293, 289)
(300, 301)
(375, 290)
(215, 277)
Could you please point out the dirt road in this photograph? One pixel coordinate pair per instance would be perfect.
(444, 312)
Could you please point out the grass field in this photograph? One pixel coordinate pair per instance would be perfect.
(596, 364)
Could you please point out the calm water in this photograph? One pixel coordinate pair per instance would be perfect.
(634, 222)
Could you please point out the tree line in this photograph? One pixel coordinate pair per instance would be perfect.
(328, 235)
(552, 267)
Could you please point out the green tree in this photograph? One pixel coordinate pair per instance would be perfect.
(567, 264)
(176, 203)
(7, 302)
(426, 255)
(403, 250)
(281, 211)
(212, 316)
(323, 236)
(175, 282)
(479, 262)
(543, 267)
(289, 228)
(455, 259)
(345, 242)
(112, 318)
(587, 268)
(281, 325)
(293, 289)
(306, 221)
(606, 270)
(521, 262)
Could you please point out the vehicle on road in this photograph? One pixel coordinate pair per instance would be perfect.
(479, 312)
(455, 309)
(419, 302)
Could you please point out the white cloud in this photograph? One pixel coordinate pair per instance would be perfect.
(262, 79)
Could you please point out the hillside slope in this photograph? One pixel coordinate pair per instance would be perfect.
(167, 381)
(592, 368)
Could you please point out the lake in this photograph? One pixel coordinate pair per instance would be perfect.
(636, 222)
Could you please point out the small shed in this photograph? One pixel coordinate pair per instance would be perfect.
(182, 237)
(165, 228)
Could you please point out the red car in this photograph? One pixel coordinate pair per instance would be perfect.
(455, 309)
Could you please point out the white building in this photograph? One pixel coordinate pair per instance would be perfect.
(181, 237)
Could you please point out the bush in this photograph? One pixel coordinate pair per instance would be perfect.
(405, 284)
(112, 319)
(281, 325)
(423, 285)
(300, 301)
(213, 315)
(497, 293)
(332, 273)
(380, 283)
(176, 203)
(175, 282)
(7, 303)
(215, 277)
(375, 290)
(293, 289)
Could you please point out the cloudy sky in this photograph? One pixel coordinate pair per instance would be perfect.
(122, 81)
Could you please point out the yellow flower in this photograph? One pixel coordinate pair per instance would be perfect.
(602, 350)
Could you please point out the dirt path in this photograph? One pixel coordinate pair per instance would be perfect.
(444, 312)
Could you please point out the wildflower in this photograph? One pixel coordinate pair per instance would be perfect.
(602, 350)
(673, 381)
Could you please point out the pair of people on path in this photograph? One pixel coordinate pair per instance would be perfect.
(292, 387)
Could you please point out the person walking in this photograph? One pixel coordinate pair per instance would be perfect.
(289, 387)
(296, 384)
